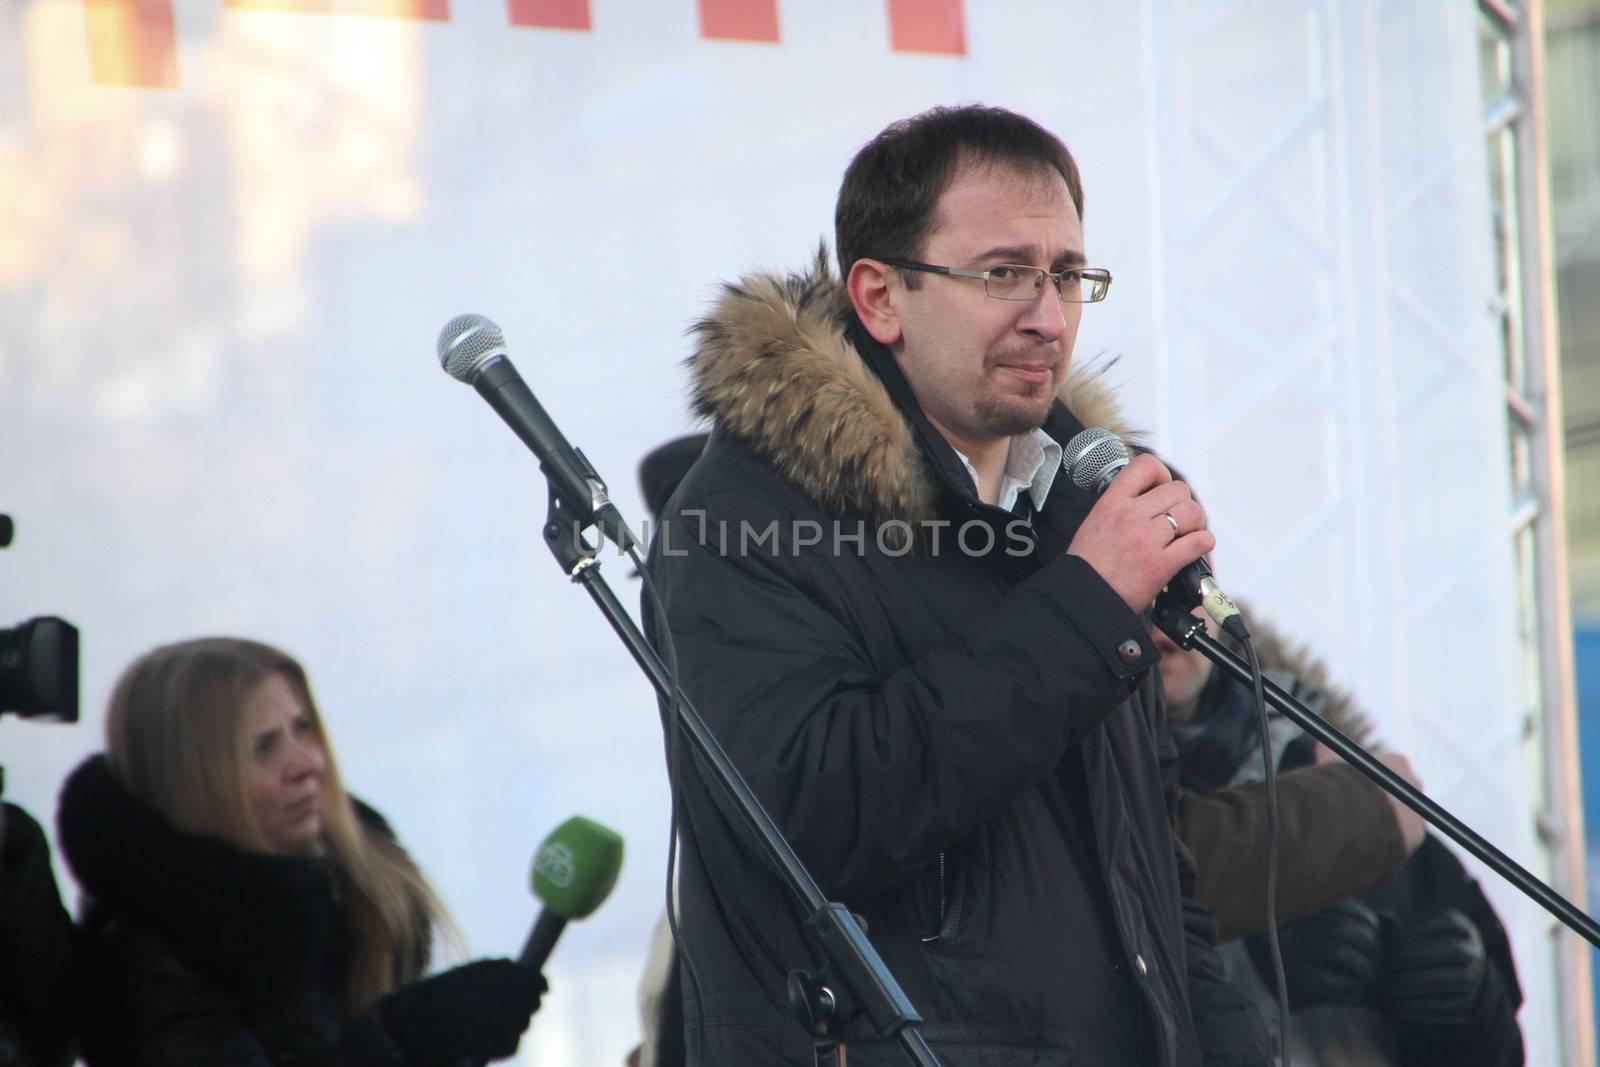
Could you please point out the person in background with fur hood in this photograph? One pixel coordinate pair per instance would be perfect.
(242, 908)
(925, 651)
(1417, 972)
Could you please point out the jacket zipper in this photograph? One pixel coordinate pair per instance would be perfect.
(939, 929)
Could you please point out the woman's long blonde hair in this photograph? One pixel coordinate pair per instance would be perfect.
(176, 737)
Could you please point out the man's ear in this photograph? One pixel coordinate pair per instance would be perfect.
(872, 291)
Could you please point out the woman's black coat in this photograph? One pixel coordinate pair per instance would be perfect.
(197, 952)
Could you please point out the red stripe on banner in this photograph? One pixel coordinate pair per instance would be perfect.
(550, 14)
(927, 26)
(132, 42)
(425, 10)
(739, 20)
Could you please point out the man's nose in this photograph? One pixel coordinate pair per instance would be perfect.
(1045, 317)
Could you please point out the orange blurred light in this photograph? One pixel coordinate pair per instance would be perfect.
(132, 42)
(427, 10)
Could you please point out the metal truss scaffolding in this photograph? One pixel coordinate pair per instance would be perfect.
(1511, 60)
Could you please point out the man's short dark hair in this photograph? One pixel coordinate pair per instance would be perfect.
(887, 199)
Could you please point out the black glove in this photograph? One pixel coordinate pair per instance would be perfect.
(1332, 957)
(473, 1013)
(1435, 970)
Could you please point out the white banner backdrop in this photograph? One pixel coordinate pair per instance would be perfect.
(220, 409)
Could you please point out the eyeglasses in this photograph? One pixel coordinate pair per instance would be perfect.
(1010, 281)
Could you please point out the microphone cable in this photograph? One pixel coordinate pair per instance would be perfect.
(1270, 776)
(675, 788)
(1234, 626)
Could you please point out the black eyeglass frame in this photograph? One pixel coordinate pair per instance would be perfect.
(1097, 275)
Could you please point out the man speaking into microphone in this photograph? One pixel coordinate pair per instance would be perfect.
(923, 649)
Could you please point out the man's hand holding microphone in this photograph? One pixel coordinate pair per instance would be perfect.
(1143, 530)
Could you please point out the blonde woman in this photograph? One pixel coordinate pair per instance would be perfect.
(242, 909)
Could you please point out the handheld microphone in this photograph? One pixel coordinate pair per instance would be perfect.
(1094, 457)
(472, 349)
(573, 873)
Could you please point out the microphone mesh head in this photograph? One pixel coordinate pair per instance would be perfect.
(1093, 457)
(466, 343)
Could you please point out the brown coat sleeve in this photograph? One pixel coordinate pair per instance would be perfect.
(1336, 836)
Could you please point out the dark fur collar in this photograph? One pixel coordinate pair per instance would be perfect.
(774, 365)
(262, 926)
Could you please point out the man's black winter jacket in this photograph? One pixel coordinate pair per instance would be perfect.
(961, 738)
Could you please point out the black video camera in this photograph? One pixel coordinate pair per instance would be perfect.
(38, 663)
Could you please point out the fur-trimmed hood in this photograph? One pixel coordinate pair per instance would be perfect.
(775, 366)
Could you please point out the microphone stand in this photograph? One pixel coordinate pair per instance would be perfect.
(861, 980)
(1187, 631)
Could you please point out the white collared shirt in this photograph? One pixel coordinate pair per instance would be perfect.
(1031, 463)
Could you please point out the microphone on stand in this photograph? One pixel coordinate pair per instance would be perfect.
(472, 349)
(1095, 456)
